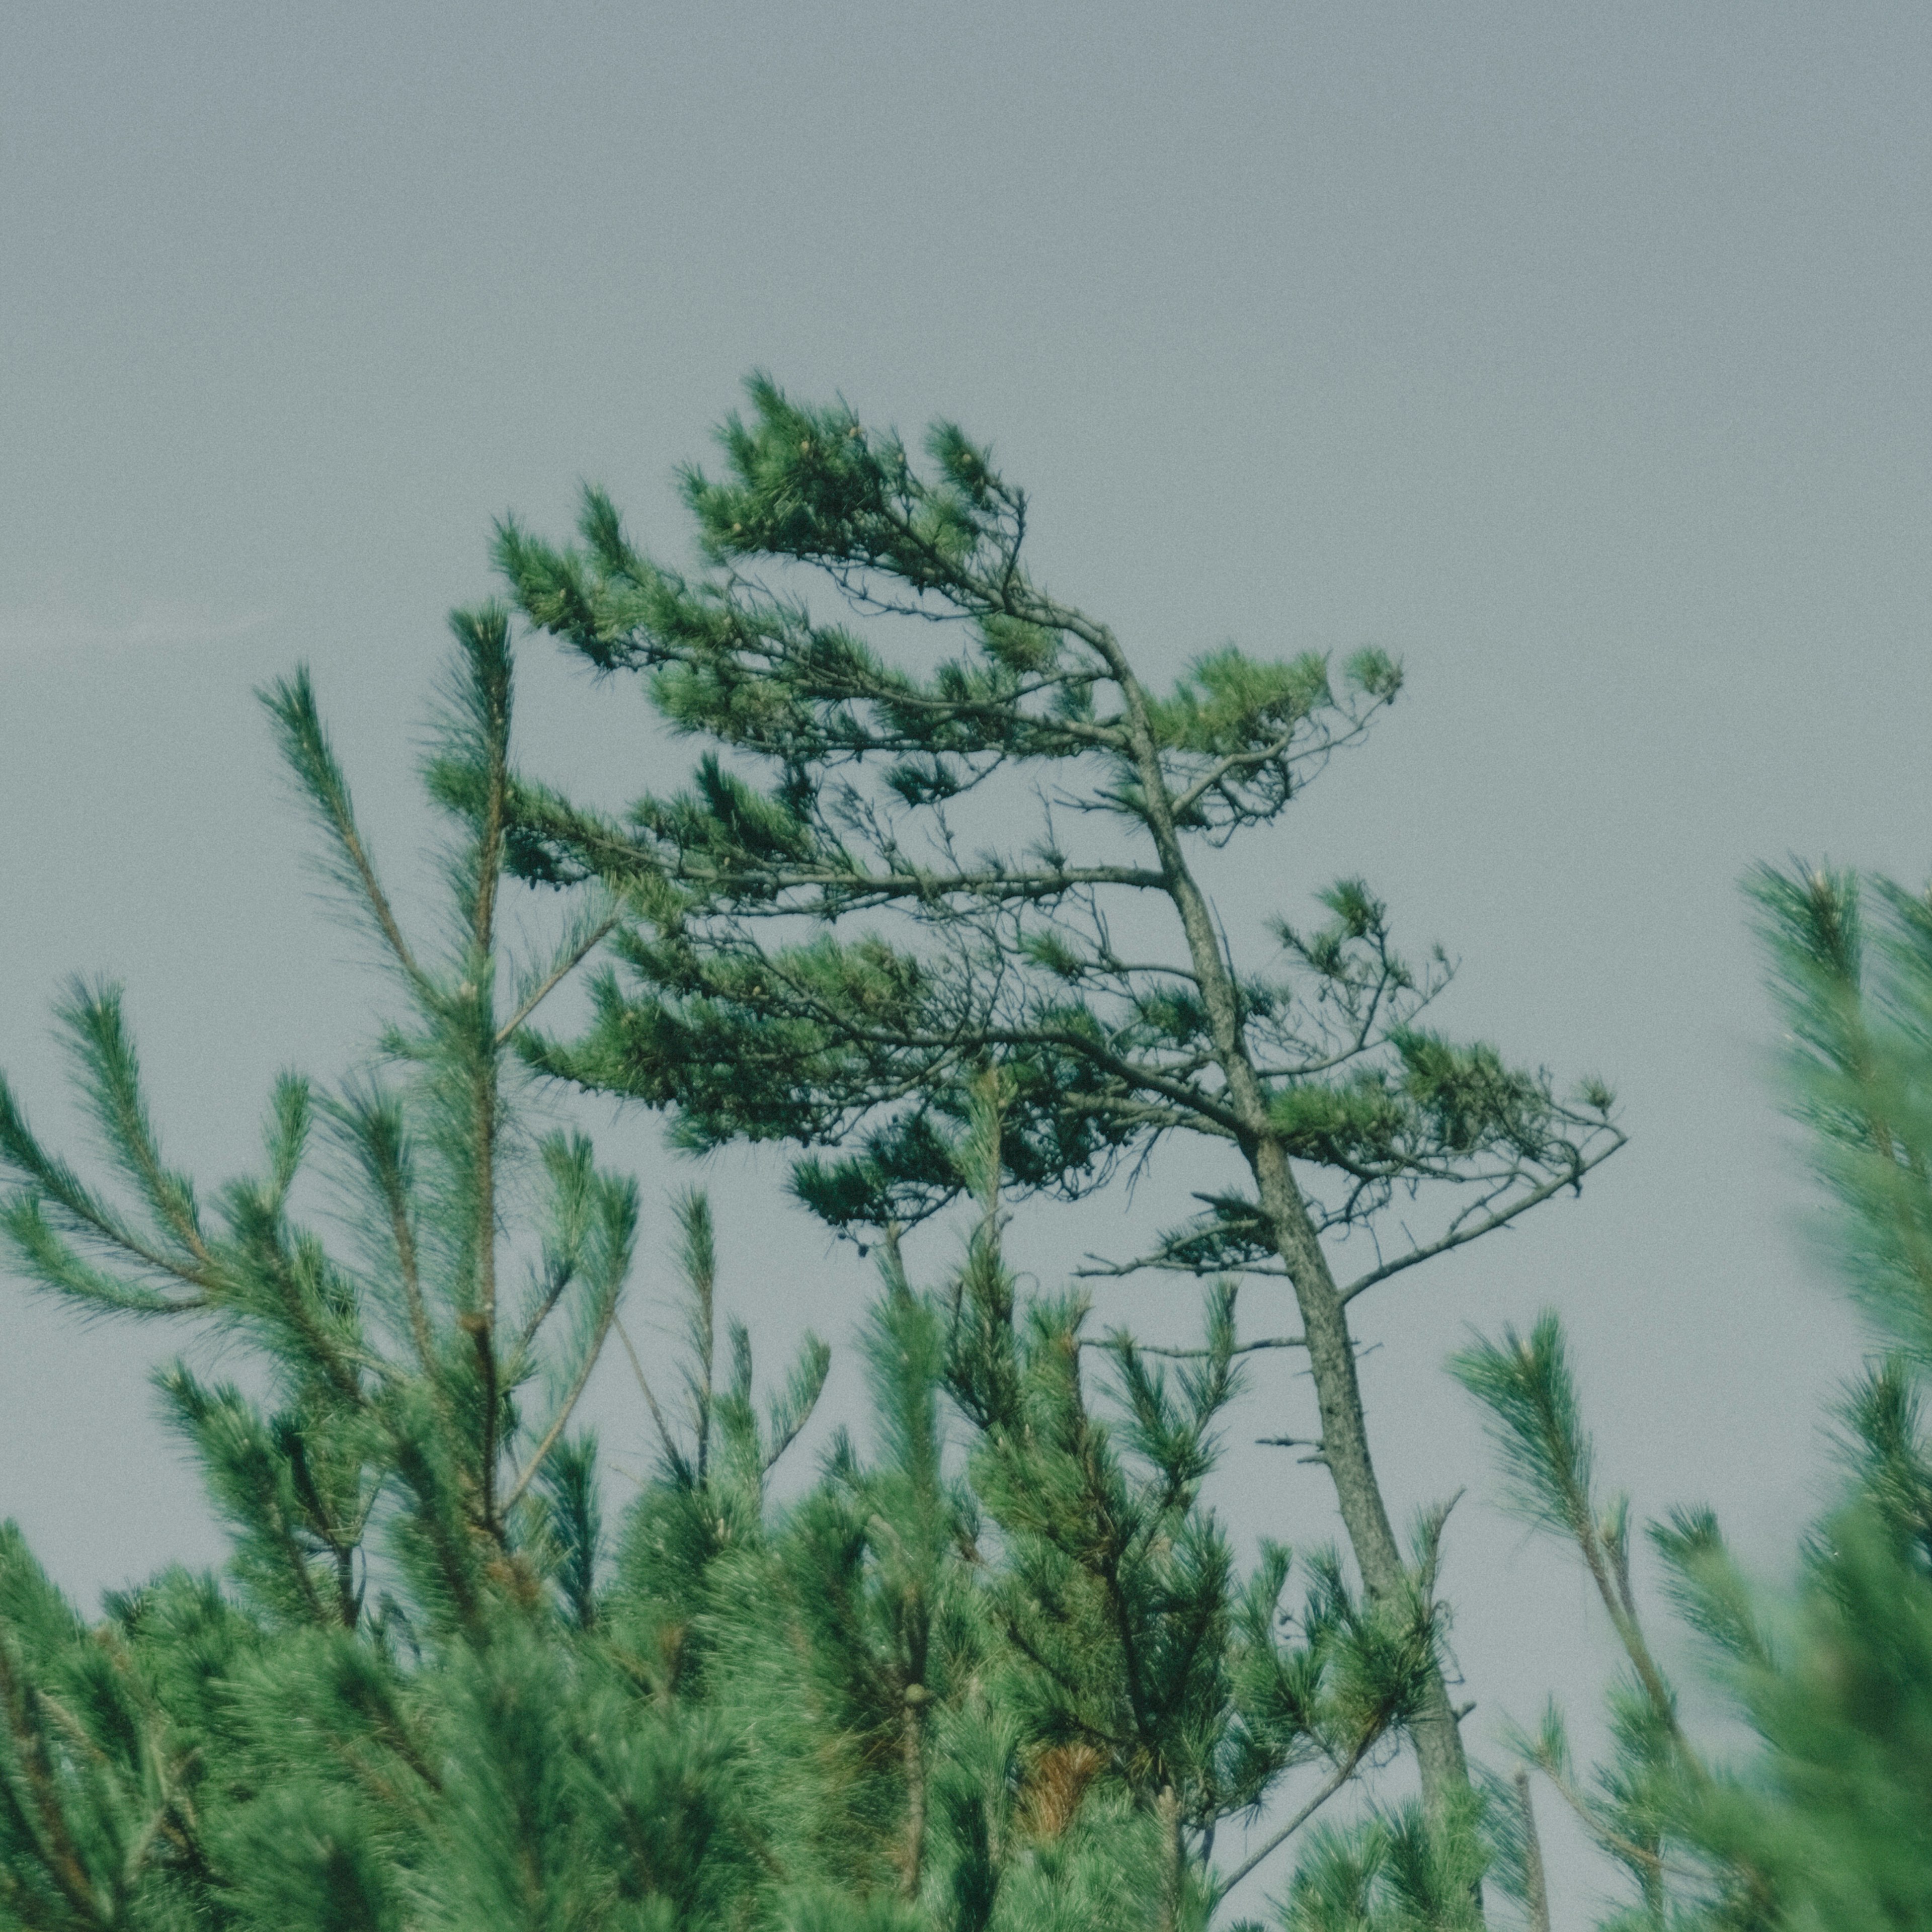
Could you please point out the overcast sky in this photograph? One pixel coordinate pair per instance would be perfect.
(1575, 354)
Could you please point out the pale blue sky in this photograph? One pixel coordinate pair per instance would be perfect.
(1574, 353)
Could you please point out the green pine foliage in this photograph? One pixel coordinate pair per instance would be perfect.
(1826, 1823)
(820, 951)
(1834, 1814)
(1133, 1646)
(992, 1664)
(994, 1668)
(369, 1720)
(949, 831)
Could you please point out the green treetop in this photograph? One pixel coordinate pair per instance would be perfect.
(834, 925)
(371, 1723)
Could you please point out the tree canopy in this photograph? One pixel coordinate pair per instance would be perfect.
(429, 1687)
(838, 923)
(995, 1662)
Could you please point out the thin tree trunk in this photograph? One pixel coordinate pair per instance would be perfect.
(1532, 1859)
(1345, 1443)
(1344, 1452)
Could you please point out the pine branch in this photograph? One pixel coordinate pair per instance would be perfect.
(311, 759)
(579, 950)
(568, 1407)
(664, 1437)
(46, 1825)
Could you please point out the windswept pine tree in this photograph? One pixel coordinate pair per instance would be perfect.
(835, 924)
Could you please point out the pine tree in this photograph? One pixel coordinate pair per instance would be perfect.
(1826, 1824)
(994, 1671)
(390, 1711)
(1633, 1807)
(1835, 1814)
(1023, 1690)
(821, 948)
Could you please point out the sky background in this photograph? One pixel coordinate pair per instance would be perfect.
(1574, 354)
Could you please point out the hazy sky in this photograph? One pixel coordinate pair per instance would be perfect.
(1574, 353)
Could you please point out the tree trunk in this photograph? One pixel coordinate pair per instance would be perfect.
(1344, 1450)
(1331, 1355)
(1537, 1890)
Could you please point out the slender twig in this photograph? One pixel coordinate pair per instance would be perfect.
(561, 1277)
(555, 978)
(1343, 1772)
(1117, 1341)
(650, 1400)
(372, 890)
(1570, 1178)
(1615, 1843)
(404, 1235)
(577, 1387)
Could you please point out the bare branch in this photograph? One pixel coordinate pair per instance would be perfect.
(1343, 1773)
(1461, 1235)
(1119, 1339)
(563, 969)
